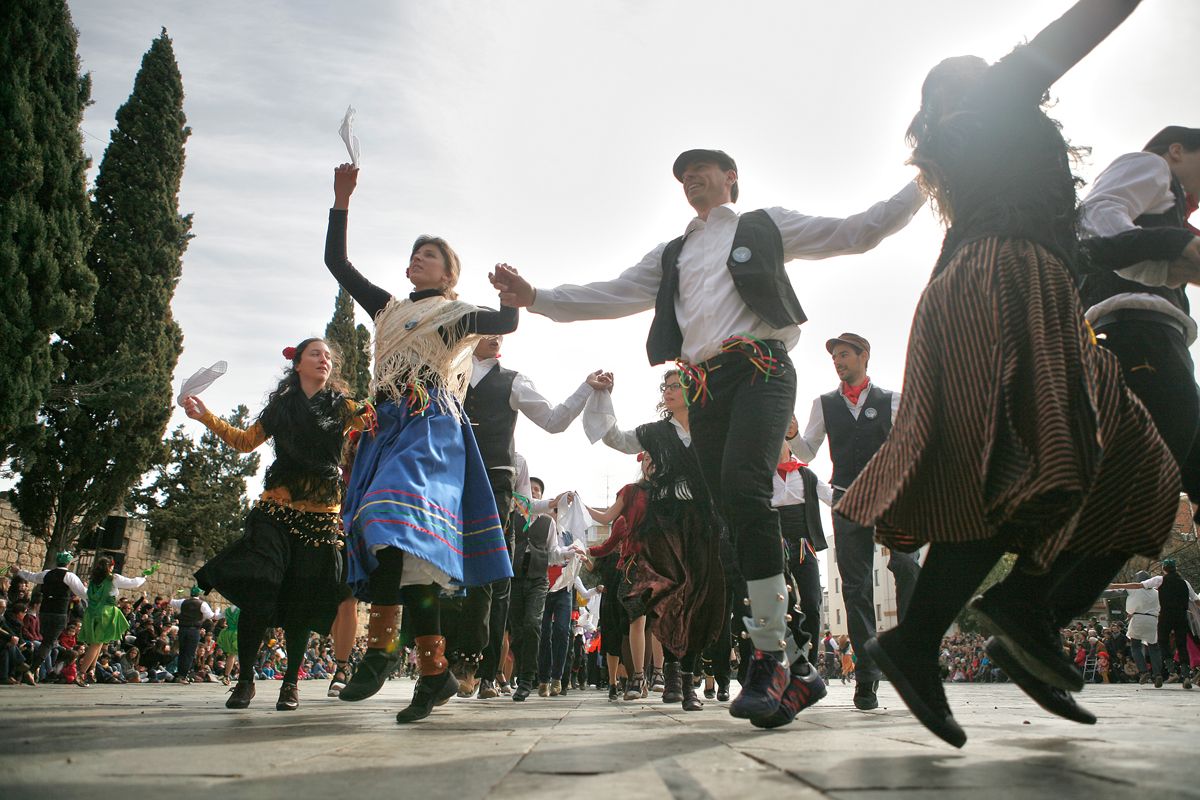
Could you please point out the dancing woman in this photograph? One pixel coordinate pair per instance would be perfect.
(287, 570)
(419, 512)
(1015, 431)
(669, 538)
(103, 622)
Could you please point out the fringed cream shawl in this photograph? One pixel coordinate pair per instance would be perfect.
(412, 359)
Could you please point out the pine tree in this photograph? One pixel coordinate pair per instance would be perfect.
(46, 288)
(198, 495)
(104, 422)
(352, 345)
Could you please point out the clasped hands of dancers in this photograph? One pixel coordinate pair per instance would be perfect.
(1016, 432)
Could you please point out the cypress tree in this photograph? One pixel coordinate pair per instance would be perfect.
(46, 288)
(351, 344)
(198, 496)
(104, 423)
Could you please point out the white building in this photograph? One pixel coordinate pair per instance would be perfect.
(885, 592)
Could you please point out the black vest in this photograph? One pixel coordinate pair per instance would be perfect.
(56, 595)
(812, 510)
(1097, 287)
(493, 419)
(530, 558)
(190, 613)
(1173, 594)
(853, 442)
(756, 265)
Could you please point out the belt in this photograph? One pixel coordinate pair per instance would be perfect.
(1144, 614)
(1139, 315)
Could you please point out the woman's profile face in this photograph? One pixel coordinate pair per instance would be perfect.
(427, 268)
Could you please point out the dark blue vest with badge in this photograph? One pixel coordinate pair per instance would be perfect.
(854, 442)
(756, 264)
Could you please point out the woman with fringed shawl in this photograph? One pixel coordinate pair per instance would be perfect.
(419, 514)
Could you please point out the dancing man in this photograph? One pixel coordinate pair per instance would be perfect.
(857, 417)
(725, 308)
(493, 400)
(58, 585)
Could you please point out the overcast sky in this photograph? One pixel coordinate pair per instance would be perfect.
(541, 133)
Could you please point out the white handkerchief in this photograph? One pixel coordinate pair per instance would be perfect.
(201, 380)
(574, 519)
(347, 132)
(598, 416)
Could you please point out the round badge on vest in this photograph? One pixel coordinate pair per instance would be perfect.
(870, 413)
(741, 254)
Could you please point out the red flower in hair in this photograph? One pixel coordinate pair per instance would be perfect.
(289, 353)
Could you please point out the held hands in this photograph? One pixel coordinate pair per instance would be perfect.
(194, 407)
(515, 291)
(601, 380)
(345, 178)
(1186, 268)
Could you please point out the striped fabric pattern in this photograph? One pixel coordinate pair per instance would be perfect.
(1013, 423)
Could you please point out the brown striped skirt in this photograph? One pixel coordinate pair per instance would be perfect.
(1013, 424)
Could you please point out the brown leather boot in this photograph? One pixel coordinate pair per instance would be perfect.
(382, 656)
(437, 683)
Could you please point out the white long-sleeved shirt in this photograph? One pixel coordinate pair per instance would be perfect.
(1133, 185)
(708, 307)
(1156, 581)
(526, 399)
(806, 445)
(121, 582)
(205, 609)
(70, 579)
(789, 491)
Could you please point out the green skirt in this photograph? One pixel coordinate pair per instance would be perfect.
(227, 641)
(103, 625)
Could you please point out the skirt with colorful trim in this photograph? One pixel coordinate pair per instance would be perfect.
(419, 484)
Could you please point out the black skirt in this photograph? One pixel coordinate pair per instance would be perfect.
(288, 566)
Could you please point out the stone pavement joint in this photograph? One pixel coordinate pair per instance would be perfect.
(149, 738)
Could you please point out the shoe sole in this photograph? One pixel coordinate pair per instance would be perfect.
(1043, 671)
(1017, 672)
(905, 689)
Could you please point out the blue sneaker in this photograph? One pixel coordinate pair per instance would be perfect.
(802, 691)
(766, 680)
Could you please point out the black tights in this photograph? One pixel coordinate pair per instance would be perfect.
(688, 663)
(251, 628)
(422, 614)
(950, 576)
(1069, 588)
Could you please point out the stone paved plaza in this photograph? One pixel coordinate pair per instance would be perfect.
(180, 742)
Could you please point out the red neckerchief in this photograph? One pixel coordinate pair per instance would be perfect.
(852, 392)
(791, 465)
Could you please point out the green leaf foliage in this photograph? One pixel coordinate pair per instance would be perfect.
(197, 496)
(104, 420)
(45, 227)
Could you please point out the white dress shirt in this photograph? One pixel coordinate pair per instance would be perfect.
(806, 445)
(205, 610)
(1134, 184)
(70, 579)
(789, 491)
(121, 582)
(526, 399)
(707, 305)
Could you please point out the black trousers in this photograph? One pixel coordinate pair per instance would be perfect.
(189, 640)
(467, 621)
(806, 573)
(855, 559)
(51, 625)
(1158, 368)
(501, 596)
(1176, 623)
(526, 604)
(737, 431)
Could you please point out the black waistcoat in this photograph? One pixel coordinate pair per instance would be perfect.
(756, 264)
(530, 558)
(56, 595)
(493, 419)
(190, 613)
(1098, 287)
(853, 442)
(812, 510)
(1173, 594)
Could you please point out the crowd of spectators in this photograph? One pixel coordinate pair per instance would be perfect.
(147, 654)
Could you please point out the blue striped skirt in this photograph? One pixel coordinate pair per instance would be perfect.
(419, 484)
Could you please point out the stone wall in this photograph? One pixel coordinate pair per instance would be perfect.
(18, 546)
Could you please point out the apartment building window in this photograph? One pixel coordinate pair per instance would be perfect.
(878, 612)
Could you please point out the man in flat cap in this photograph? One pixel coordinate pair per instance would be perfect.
(857, 417)
(725, 310)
